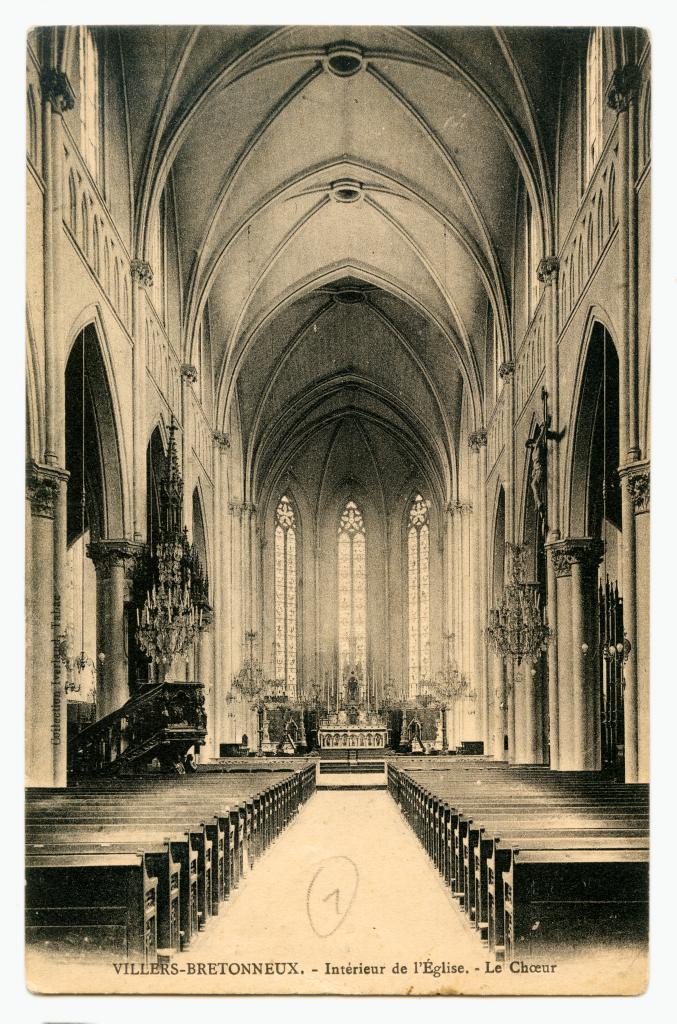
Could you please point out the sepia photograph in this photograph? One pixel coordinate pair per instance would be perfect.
(337, 543)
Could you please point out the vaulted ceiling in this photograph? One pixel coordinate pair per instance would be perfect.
(345, 204)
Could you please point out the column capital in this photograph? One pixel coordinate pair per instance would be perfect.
(142, 272)
(547, 270)
(57, 89)
(42, 488)
(506, 369)
(189, 373)
(585, 551)
(221, 439)
(106, 554)
(637, 477)
(623, 87)
(477, 439)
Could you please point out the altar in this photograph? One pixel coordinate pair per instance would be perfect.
(352, 719)
(366, 731)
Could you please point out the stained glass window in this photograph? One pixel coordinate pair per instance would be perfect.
(352, 588)
(89, 100)
(418, 563)
(285, 593)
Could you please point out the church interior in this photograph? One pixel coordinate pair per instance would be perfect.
(337, 479)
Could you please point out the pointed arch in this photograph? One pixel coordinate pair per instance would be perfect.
(612, 198)
(418, 590)
(497, 580)
(156, 454)
(84, 223)
(199, 531)
(96, 247)
(597, 371)
(286, 561)
(72, 204)
(352, 587)
(93, 454)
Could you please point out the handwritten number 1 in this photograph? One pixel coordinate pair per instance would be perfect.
(335, 893)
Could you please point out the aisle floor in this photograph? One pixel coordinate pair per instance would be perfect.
(346, 883)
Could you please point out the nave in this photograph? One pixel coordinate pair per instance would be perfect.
(296, 888)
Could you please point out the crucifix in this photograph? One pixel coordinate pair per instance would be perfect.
(539, 460)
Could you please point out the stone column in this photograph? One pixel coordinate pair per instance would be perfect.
(511, 713)
(255, 579)
(114, 564)
(45, 680)
(500, 708)
(204, 673)
(220, 597)
(519, 708)
(548, 274)
(57, 98)
(636, 481)
(478, 444)
(245, 567)
(142, 278)
(188, 378)
(468, 604)
(576, 562)
(238, 627)
(622, 97)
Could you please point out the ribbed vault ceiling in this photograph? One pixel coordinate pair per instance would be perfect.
(296, 178)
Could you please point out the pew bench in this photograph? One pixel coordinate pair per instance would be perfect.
(564, 899)
(92, 906)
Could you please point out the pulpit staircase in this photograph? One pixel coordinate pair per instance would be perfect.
(160, 722)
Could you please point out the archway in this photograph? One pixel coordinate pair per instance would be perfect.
(94, 514)
(504, 722)
(596, 513)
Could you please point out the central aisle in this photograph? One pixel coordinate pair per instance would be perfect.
(346, 883)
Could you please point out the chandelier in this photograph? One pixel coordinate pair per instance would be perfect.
(177, 591)
(516, 629)
(450, 683)
(249, 682)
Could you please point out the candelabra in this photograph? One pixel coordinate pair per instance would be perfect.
(74, 666)
(250, 682)
(516, 629)
(450, 683)
(168, 624)
(172, 613)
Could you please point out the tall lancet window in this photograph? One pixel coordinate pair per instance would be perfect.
(418, 551)
(285, 593)
(593, 100)
(90, 128)
(352, 588)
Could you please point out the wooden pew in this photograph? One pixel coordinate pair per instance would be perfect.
(183, 852)
(563, 899)
(92, 906)
(205, 826)
(159, 864)
(457, 813)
